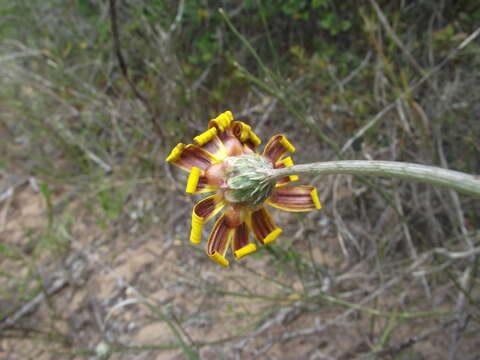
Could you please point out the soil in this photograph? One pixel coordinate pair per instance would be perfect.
(104, 281)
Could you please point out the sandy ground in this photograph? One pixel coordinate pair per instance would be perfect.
(96, 291)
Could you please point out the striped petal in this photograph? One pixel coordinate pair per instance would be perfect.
(230, 133)
(204, 211)
(263, 227)
(188, 156)
(287, 179)
(277, 147)
(198, 183)
(219, 240)
(295, 198)
(241, 245)
(231, 144)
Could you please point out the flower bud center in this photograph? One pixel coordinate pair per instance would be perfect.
(247, 180)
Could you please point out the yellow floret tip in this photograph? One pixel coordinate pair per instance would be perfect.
(247, 249)
(288, 161)
(272, 236)
(193, 180)
(222, 121)
(219, 259)
(206, 136)
(315, 199)
(229, 115)
(176, 152)
(196, 233)
(197, 219)
(244, 131)
(255, 139)
(287, 144)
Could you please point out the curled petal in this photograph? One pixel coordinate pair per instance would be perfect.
(202, 212)
(263, 227)
(221, 122)
(198, 183)
(241, 130)
(207, 208)
(188, 156)
(295, 198)
(244, 133)
(255, 139)
(277, 147)
(281, 164)
(219, 240)
(240, 244)
(196, 232)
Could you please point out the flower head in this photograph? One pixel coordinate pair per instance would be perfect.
(224, 160)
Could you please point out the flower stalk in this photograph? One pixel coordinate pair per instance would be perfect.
(461, 182)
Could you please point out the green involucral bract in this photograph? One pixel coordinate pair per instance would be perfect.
(247, 180)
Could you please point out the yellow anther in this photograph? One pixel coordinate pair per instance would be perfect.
(272, 236)
(222, 121)
(287, 144)
(192, 181)
(197, 219)
(206, 136)
(176, 152)
(255, 139)
(243, 132)
(288, 161)
(247, 249)
(219, 259)
(315, 199)
(229, 116)
(196, 233)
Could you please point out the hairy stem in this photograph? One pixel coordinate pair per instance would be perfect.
(461, 182)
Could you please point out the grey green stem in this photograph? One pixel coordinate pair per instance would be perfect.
(461, 182)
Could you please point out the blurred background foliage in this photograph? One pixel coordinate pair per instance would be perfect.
(343, 79)
(191, 61)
